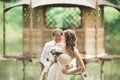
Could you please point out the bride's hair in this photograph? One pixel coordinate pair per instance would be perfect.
(70, 40)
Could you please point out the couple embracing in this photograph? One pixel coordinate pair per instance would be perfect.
(61, 55)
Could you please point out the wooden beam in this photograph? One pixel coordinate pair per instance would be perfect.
(4, 30)
(83, 29)
(42, 25)
(102, 71)
(96, 29)
(31, 28)
(23, 61)
(103, 26)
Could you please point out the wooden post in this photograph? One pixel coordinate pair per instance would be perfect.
(4, 30)
(75, 77)
(42, 23)
(23, 26)
(103, 26)
(83, 17)
(102, 71)
(83, 28)
(31, 28)
(96, 30)
(23, 61)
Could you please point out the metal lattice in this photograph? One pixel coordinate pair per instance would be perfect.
(63, 17)
(36, 17)
(90, 17)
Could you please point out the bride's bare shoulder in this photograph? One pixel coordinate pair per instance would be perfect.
(76, 51)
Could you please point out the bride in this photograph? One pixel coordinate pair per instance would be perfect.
(58, 70)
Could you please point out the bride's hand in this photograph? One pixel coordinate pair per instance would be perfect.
(69, 66)
(65, 71)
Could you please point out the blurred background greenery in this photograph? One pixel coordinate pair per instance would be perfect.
(14, 43)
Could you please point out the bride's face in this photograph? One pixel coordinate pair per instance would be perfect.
(64, 38)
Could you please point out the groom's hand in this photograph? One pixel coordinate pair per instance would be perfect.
(51, 59)
(51, 64)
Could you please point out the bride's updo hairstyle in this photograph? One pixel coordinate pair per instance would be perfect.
(70, 40)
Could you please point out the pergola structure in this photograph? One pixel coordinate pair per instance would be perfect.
(35, 33)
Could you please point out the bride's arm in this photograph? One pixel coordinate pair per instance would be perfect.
(81, 66)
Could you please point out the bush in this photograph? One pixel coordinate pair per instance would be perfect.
(9, 0)
(112, 28)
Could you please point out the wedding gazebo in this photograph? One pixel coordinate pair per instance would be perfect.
(90, 32)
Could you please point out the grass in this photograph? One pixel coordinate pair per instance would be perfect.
(78, 77)
(14, 70)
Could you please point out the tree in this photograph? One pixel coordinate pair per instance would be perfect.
(117, 2)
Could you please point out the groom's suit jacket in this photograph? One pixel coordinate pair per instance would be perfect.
(46, 54)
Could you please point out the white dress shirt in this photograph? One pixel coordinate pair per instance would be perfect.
(46, 54)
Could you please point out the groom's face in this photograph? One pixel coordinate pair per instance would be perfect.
(58, 38)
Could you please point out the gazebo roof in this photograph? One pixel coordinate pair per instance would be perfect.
(36, 3)
(86, 3)
(20, 3)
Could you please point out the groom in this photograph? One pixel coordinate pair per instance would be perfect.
(57, 35)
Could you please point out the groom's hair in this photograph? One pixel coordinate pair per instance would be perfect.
(57, 32)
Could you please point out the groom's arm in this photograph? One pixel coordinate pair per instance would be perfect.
(44, 56)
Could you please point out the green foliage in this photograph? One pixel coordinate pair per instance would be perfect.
(77, 77)
(9, 0)
(112, 27)
(14, 16)
(13, 30)
(1, 13)
(112, 18)
(117, 2)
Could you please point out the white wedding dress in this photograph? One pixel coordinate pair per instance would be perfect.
(55, 71)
